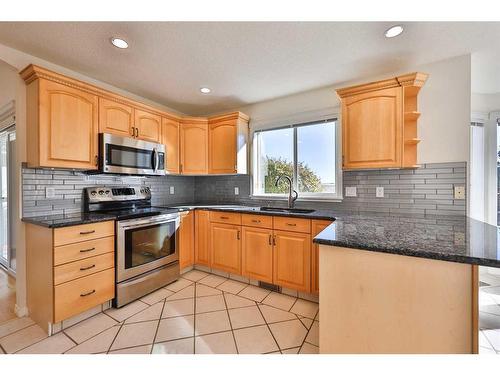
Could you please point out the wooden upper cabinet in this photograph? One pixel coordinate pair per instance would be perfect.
(62, 124)
(170, 133)
(115, 118)
(148, 125)
(225, 247)
(377, 131)
(194, 146)
(292, 260)
(186, 240)
(372, 131)
(228, 140)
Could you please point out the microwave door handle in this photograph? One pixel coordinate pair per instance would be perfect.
(155, 159)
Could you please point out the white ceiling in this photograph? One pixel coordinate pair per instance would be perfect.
(243, 63)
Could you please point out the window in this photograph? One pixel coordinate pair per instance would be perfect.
(308, 153)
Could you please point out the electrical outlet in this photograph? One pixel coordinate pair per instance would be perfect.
(379, 192)
(350, 191)
(236, 190)
(172, 190)
(50, 192)
(459, 192)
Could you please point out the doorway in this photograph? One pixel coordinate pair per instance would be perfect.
(7, 229)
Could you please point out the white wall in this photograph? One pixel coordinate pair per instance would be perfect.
(485, 103)
(7, 83)
(444, 102)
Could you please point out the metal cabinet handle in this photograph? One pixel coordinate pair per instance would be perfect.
(87, 268)
(274, 240)
(238, 235)
(87, 250)
(88, 232)
(136, 132)
(270, 239)
(224, 217)
(291, 224)
(88, 293)
(96, 159)
(255, 221)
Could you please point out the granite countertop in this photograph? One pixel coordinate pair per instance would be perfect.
(455, 238)
(449, 238)
(60, 221)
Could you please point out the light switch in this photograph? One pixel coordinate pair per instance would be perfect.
(350, 191)
(172, 190)
(379, 192)
(236, 190)
(50, 192)
(459, 192)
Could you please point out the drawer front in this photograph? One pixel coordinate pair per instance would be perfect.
(85, 267)
(82, 250)
(258, 221)
(85, 232)
(76, 296)
(292, 224)
(225, 217)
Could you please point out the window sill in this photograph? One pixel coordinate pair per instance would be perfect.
(300, 199)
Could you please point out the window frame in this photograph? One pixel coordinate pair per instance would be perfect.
(329, 197)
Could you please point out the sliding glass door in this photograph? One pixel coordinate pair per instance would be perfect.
(7, 152)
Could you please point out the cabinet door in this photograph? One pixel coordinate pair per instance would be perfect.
(225, 246)
(202, 238)
(148, 126)
(257, 253)
(115, 118)
(194, 148)
(316, 227)
(222, 147)
(372, 129)
(171, 140)
(68, 127)
(292, 260)
(186, 240)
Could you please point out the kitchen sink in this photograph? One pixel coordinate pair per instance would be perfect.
(291, 210)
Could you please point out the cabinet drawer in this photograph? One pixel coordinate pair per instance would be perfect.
(76, 296)
(78, 233)
(84, 267)
(225, 217)
(292, 224)
(82, 250)
(259, 221)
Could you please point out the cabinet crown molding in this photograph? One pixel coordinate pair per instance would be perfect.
(415, 79)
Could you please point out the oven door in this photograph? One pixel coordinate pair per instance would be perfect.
(146, 244)
(131, 156)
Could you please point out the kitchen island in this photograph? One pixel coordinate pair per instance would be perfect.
(402, 284)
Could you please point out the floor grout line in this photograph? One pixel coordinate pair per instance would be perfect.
(17, 330)
(194, 320)
(230, 324)
(269, 328)
(65, 334)
(157, 327)
(114, 338)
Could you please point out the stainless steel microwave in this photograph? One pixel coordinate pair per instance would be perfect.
(124, 155)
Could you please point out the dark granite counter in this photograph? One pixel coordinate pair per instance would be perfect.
(60, 221)
(455, 239)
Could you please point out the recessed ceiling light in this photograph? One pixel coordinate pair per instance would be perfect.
(205, 90)
(393, 31)
(119, 43)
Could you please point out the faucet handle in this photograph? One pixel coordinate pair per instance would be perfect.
(296, 196)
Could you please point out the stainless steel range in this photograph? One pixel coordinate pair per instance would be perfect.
(146, 239)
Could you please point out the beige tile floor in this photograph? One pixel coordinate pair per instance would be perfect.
(198, 314)
(489, 320)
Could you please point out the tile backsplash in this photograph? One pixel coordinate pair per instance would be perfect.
(427, 190)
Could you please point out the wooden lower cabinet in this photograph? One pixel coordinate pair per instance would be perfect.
(186, 240)
(202, 238)
(225, 246)
(292, 260)
(68, 270)
(257, 253)
(317, 226)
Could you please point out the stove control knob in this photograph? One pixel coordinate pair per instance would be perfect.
(107, 192)
(101, 192)
(142, 191)
(93, 193)
(147, 190)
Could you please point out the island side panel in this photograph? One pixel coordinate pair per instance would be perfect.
(374, 302)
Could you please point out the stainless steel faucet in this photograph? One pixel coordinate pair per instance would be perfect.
(291, 198)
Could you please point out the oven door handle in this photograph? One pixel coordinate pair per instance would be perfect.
(151, 222)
